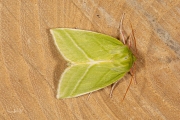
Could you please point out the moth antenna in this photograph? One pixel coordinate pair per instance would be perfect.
(121, 28)
(134, 39)
(113, 86)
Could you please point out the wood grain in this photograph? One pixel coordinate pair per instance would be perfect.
(30, 65)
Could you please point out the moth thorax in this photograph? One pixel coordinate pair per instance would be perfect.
(123, 61)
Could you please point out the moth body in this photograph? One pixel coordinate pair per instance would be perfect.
(95, 61)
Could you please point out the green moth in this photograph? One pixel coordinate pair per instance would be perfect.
(96, 61)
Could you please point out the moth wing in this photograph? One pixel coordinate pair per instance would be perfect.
(83, 46)
(85, 78)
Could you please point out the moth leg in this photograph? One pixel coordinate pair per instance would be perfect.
(89, 96)
(133, 72)
(121, 29)
(112, 88)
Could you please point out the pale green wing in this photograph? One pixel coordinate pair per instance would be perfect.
(85, 78)
(83, 46)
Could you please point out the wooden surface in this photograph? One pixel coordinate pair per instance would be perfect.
(30, 65)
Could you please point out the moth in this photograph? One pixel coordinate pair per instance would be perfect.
(95, 61)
